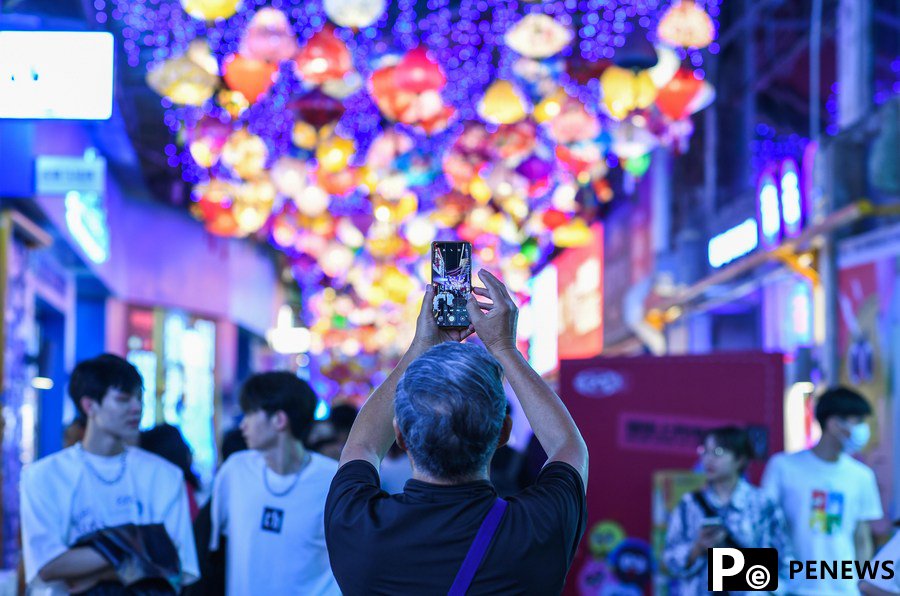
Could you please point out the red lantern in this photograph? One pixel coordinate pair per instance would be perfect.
(251, 77)
(338, 183)
(317, 109)
(418, 73)
(553, 218)
(675, 98)
(324, 58)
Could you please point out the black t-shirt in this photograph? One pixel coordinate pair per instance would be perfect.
(415, 542)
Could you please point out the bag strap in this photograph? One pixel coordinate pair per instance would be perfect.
(709, 511)
(478, 549)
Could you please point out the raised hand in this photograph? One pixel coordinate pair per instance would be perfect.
(494, 321)
(428, 334)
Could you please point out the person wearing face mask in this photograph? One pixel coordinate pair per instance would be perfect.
(727, 512)
(829, 497)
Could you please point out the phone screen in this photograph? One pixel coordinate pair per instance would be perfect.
(451, 276)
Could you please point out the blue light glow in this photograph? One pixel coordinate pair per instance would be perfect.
(769, 212)
(733, 244)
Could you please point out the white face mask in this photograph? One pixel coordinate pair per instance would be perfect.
(859, 438)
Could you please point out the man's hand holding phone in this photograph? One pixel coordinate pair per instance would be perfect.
(494, 321)
(428, 334)
(712, 534)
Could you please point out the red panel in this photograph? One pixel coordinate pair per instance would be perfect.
(641, 415)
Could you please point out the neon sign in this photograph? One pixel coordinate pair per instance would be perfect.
(732, 244)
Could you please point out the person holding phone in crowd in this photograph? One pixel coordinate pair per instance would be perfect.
(727, 512)
(448, 532)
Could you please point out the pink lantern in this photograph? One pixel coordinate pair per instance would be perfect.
(323, 58)
(418, 73)
(269, 37)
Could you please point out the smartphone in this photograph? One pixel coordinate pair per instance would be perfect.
(451, 276)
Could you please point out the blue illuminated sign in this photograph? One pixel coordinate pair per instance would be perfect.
(734, 243)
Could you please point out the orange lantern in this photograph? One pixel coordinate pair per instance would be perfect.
(252, 78)
(323, 58)
(675, 98)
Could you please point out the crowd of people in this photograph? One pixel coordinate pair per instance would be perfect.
(416, 493)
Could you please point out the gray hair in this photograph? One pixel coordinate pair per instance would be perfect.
(450, 407)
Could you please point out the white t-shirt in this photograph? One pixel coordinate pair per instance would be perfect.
(276, 544)
(63, 500)
(823, 503)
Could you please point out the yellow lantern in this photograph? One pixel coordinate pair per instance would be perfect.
(550, 107)
(573, 234)
(234, 102)
(245, 153)
(625, 91)
(304, 135)
(334, 153)
(190, 79)
(253, 205)
(502, 104)
(210, 10)
(479, 190)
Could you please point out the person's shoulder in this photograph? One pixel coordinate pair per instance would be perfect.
(854, 466)
(784, 460)
(150, 463)
(53, 465)
(323, 465)
(240, 462)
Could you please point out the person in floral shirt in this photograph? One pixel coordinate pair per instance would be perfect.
(727, 512)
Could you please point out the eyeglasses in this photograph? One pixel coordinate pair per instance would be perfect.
(717, 452)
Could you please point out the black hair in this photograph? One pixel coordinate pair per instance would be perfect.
(842, 402)
(342, 417)
(734, 439)
(167, 442)
(272, 392)
(95, 377)
(232, 442)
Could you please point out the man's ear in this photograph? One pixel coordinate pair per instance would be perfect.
(401, 442)
(87, 405)
(505, 431)
(282, 423)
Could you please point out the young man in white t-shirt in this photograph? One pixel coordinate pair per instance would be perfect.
(99, 483)
(828, 497)
(268, 502)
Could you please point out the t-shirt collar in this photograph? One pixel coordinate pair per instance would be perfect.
(426, 491)
(739, 498)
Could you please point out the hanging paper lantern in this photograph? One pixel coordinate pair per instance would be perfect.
(625, 91)
(207, 139)
(339, 183)
(417, 72)
(676, 97)
(665, 69)
(313, 201)
(233, 102)
(316, 109)
(538, 78)
(704, 97)
(323, 58)
(537, 171)
(354, 14)
(336, 260)
(420, 231)
(189, 79)
(637, 166)
(349, 234)
(502, 104)
(573, 234)
(553, 218)
(253, 205)
(538, 36)
(211, 10)
(687, 25)
(245, 154)
(637, 53)
(630, 140)
(252, 78)
(269, 37)
(573, 123)
(289, 176)
(334, 153)
(343, 87)
(550, 107)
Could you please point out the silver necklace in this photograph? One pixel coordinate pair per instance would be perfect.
(306, 459)
(98, 475)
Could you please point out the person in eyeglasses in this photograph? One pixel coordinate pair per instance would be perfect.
(727, 512)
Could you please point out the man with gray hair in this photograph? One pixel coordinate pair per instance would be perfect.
(448, 532)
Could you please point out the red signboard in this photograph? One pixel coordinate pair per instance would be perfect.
(580, 283)
(643, 415)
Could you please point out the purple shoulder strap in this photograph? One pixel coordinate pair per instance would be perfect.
(478, 549)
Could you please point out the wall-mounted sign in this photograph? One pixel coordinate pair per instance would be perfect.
(61, 174)
(62, 75)
(734, 243)
(542, 349)
(86, 220)
(580, 283)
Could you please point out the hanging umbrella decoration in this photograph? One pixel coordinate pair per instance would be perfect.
(350, 136)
